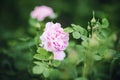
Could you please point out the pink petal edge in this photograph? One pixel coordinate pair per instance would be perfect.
(59, 55)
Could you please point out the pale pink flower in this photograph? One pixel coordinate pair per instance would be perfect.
(55, 40)
(41, 12)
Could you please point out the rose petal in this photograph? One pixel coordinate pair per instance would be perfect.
(59, 55)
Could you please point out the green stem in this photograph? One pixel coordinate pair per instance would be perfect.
(88, 63)
(84, 70)
(111, 68)
(84, 67)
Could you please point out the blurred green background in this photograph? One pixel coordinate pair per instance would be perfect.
(14, 15)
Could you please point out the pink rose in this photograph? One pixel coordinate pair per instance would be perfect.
(41, 12)
(55, 40)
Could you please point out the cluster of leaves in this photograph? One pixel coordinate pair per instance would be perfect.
(43, 60)
(95, 46)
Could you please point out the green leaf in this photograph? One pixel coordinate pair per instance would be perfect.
(84, 37)
(46, 73)
(38, 56)
(103, 34)
(102, 49)
(41, 50)
(81, 78)
(42, 56)
(80, 48)
(76, 35)
(68, 30)
(37, 62)
(38, 69)
(85, 43)
(105, 23)
(76, 27)
(97, 57)
(56, 63)
(79, 29)
(34, 22)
